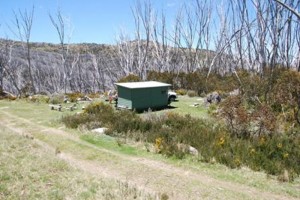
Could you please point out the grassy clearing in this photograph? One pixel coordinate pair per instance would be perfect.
(40, 113)
(185, 105)
(64, 175)
(27, 171)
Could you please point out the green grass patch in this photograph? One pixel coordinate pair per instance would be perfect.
(185, 105)
(193, 106)
(111, 144)
(38, 112)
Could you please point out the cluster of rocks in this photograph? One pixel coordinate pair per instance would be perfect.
(213, 97)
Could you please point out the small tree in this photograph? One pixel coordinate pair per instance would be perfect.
(236, 116)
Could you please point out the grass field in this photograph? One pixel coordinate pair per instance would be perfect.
(185, 105)
(28, 170)
(193, 106)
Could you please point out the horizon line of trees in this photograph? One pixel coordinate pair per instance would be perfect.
(255, 35)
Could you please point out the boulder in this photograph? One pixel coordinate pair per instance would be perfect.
(213, 97)
(193, 151)
(99, 130)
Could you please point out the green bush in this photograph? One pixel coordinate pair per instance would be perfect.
(173, 149)
(56, 99)
(99, 109)
(172, 133)
(130, 78)
(74, 121)
(286, 94)
(126, 121)
(166, 77)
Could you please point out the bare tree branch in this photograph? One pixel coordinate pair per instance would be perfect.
(289, 8)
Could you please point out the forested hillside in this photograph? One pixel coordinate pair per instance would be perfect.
(86, 68)
(258, 37)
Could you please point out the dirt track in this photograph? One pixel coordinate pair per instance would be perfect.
(149, 175)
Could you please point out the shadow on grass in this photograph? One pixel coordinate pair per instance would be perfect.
(169, 107)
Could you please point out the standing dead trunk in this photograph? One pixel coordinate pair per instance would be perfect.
(23, 22)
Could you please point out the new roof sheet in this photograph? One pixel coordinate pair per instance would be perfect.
(145, 84)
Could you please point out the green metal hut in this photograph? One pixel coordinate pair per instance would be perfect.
(142, 95)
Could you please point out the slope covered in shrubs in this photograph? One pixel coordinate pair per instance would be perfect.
(169, 133)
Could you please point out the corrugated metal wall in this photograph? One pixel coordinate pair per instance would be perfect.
(142, 98)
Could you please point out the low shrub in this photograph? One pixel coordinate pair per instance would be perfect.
(74, 121)
(173, 149)
(213, 109)
(287, 94)
(74, 96)
(181, 92)
(56, 99)
(172, 134)
(191, 93)
(130, 78)
(94, 95)
(127, 121)
(39, 98)
(236, 116)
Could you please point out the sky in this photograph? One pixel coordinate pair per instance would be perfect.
(91, 21)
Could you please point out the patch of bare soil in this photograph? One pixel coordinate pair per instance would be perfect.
(148, 175)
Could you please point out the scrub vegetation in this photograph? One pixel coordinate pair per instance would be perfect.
(113, 165)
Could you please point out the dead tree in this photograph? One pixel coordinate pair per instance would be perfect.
(289, 8)
(161, 49)
(11, 69)
(125, 54)
(3, 63)
(143, 19)
(60, 24)
(23, 23)
(101, 67)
